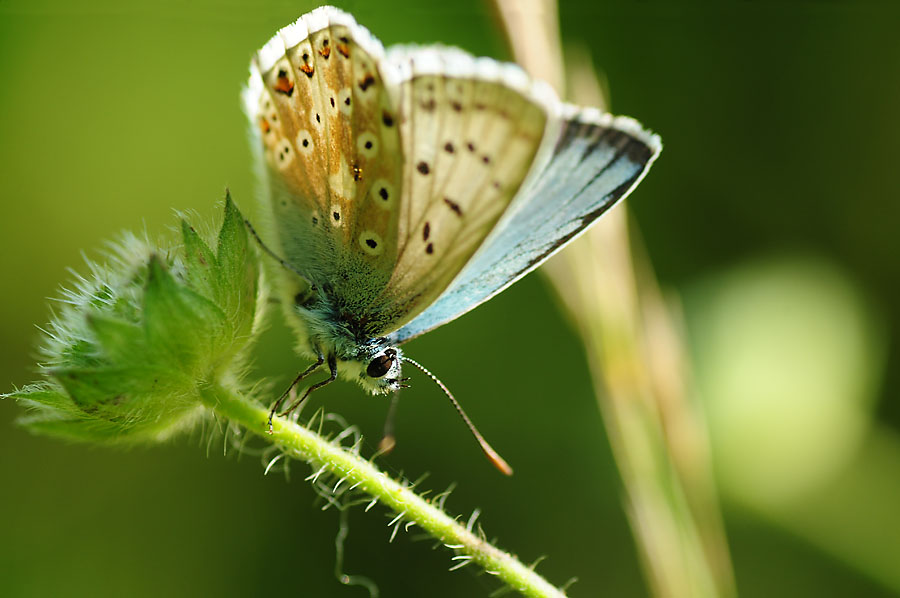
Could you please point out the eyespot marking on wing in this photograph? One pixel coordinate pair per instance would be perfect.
(345, 101)
(383, 194)
(344, 47)
(284, 154)
(304, 142)
(367, 144)
(283, 83)
(371, 242)
(366, 82)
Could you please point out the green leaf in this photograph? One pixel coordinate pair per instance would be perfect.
(238, 270)
(42, 395)
(200, 262)
(73, 428)
(131, 347)
(181, 326)
(113, 387)
(118, 339)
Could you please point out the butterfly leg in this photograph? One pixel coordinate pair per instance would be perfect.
(299, 377)
(332, 367)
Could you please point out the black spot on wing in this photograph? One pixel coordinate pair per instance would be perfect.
(366, 81)
(455, 207)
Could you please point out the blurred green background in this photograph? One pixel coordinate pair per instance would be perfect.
(774, 209)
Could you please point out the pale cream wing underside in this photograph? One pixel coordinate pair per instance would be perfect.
(470, 130)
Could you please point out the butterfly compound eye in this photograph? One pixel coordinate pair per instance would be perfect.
(379, 366)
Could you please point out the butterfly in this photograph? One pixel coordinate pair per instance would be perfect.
(407, 186)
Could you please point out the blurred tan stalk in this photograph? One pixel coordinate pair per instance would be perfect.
(637, 358)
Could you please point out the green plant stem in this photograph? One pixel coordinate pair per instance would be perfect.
(324, 455)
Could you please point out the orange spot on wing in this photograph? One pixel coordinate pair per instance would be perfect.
(284, 85)
(264, 125)
(325, 52)
(308, 69)
(344, 49)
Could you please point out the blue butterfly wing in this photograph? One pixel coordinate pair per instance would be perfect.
(595, 161)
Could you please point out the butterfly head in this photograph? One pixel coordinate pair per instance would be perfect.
(380, 369)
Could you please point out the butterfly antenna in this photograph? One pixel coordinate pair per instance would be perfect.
(271, 253)
(492, 455)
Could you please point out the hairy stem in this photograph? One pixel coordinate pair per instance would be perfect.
(326, 456)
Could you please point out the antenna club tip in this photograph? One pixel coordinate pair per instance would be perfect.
(491, 454)
(499, 462)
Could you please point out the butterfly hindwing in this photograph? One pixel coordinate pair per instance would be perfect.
(470, 131)
(595, 160)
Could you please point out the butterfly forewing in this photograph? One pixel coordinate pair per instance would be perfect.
(333, 153)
